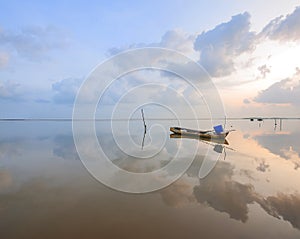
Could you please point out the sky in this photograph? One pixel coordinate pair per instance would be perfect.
(249, 48)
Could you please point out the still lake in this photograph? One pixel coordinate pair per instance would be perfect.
(252, 192)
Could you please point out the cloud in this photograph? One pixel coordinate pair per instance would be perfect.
(4, 57)
(286, 91)
(264, 70)
(119, 87)
(9, 90)
(176, 39)
(152, 85)
(246, 101)
(220, 45)
(217, 48)
(283, 28)
(65, 90)
(116, 50)
(34, 42)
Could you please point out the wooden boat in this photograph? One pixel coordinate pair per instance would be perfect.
(202, 134)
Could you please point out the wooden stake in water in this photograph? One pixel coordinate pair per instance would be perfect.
(145, 127)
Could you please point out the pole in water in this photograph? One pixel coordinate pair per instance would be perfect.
(145, 128)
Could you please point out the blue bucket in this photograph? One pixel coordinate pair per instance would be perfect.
(218, 129)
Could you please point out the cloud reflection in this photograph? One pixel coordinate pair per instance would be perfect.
(64, 147)
(220, 192)
(5, 179)
(284, 145)
(287, 206)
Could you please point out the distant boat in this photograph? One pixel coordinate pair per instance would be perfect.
(216, 133)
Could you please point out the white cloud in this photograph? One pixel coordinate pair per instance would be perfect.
(34, 42)
(220, 45)
(9, 90)
(66, 90)
(284, 28)
(286, 91)
(176, 39)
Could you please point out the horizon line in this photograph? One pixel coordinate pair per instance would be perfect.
(135, 119)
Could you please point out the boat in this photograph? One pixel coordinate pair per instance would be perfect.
(217, 133)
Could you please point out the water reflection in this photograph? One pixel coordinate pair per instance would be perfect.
(42, 194)
(220, 191)
(284, 145)
(64, 147)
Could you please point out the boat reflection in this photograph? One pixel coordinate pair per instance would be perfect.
(220, 141)
(219, 144)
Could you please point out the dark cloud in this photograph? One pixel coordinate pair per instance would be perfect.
(284, 28)
(220, 45)
(34, 42)
(286, 91)
(66, 90)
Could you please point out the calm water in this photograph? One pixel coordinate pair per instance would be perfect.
(253, 192)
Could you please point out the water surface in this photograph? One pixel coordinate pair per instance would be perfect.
(253, 192)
